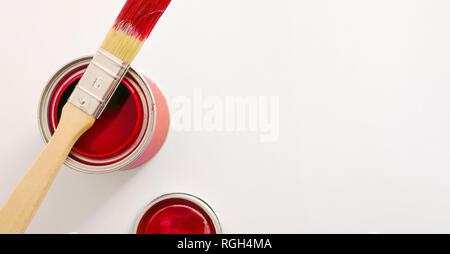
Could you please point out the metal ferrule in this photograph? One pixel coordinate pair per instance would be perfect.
(99, 82)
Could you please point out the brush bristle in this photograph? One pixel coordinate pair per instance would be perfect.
(133, 26)
(139, 17)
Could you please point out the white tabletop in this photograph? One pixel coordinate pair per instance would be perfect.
(363, 141)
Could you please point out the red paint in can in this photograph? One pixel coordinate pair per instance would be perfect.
(178, 214)
(130, 131)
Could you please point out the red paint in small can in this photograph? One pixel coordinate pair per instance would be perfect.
(178, 213)
(131, 130)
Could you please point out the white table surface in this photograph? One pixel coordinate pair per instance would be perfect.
(364, 90)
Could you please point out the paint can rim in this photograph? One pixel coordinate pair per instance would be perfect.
(146, 96)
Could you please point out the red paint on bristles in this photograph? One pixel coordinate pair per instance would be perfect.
(139, 17)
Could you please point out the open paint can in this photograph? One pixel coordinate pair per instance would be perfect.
(177, 213)
(131, 130)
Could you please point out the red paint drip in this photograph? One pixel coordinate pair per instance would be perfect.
(139, 17)
(176, 216)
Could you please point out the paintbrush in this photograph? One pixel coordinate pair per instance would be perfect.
(103, 75)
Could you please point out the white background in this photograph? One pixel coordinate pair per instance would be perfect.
(364, 93)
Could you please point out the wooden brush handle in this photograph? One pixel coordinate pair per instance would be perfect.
(19, 209)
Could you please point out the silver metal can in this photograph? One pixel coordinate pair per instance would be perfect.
(177, 213)
(131, 130)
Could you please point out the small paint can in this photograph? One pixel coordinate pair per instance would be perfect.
(131, 130)
(177, 213)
